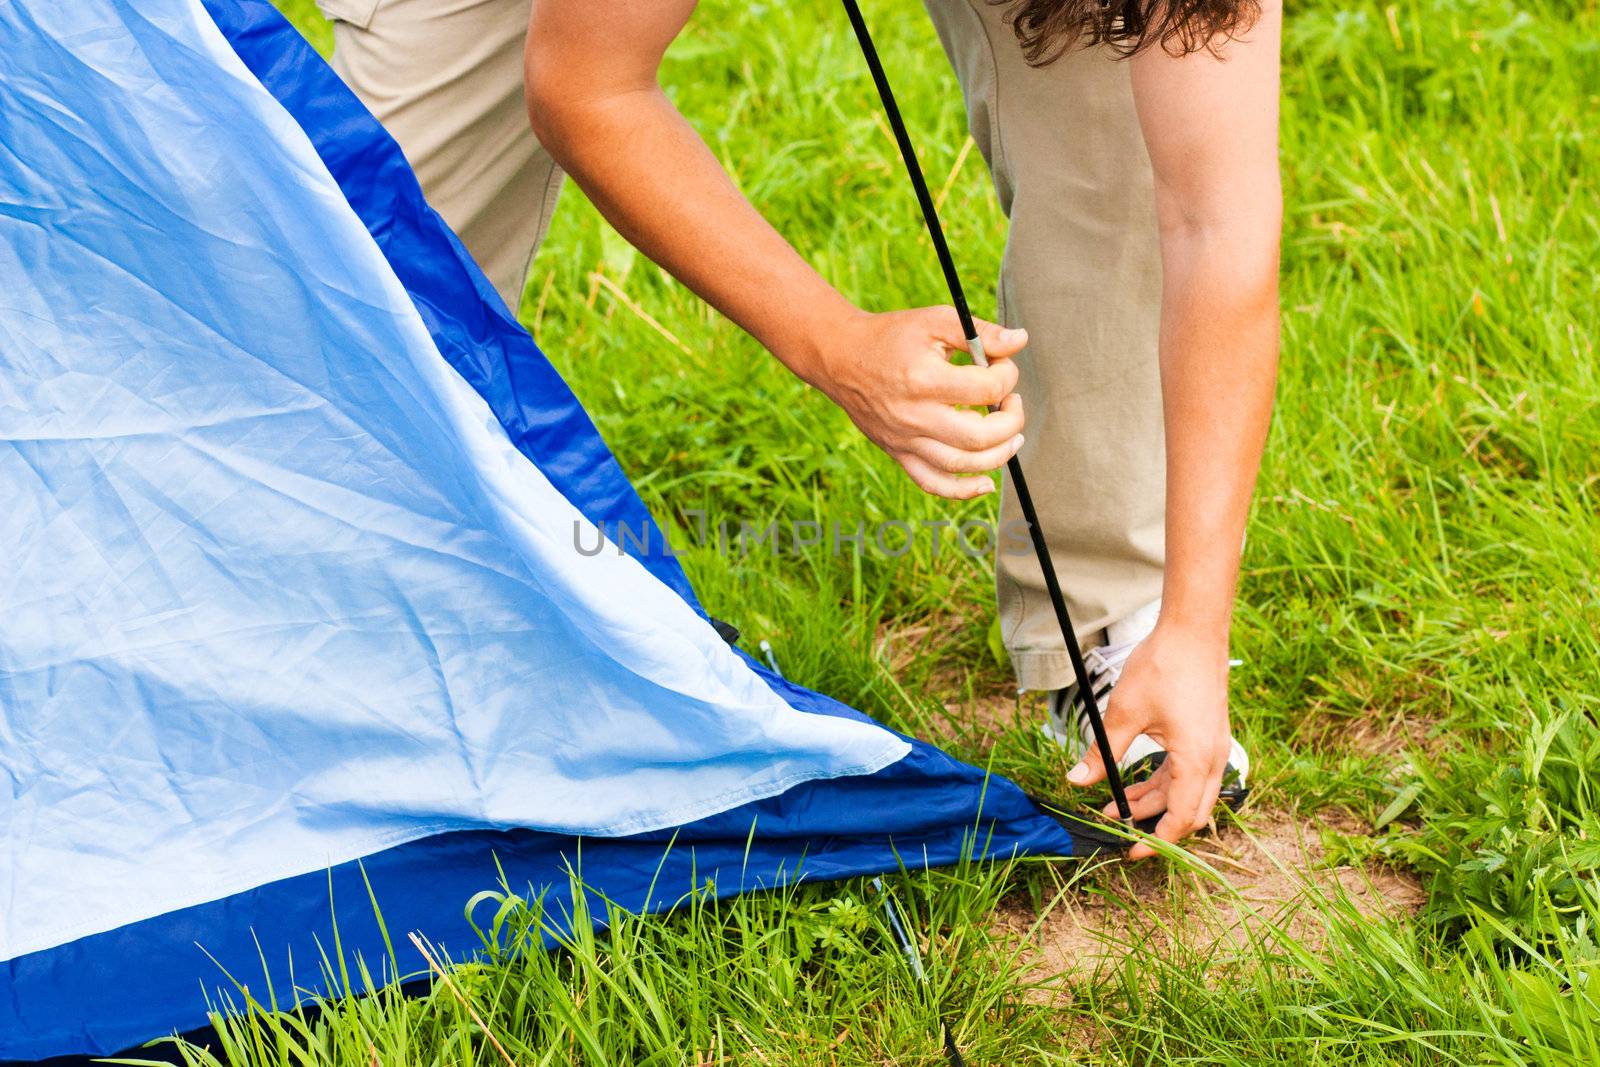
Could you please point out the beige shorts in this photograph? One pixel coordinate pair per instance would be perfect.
(1082, 273)
(445, 79)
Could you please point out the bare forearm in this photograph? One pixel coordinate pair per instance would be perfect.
(655, 180)
(1219, 360)
(1210, 121)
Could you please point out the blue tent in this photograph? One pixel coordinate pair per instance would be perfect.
(291, 601)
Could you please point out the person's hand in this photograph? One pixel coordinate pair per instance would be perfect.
(1175, 689)
(892, 374)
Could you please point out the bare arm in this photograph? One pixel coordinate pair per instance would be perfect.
(596, 105)
(1211, 125)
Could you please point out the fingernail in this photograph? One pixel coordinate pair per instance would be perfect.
(988, 487)
(1014, 336)
(1016, 444)
(1079, 774)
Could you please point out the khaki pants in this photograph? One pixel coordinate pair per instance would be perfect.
(1081, 270)
(445, 79)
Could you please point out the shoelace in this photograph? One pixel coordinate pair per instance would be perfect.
(1105, 665)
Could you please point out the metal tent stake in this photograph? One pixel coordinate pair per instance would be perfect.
(930, 216)
(914, 960)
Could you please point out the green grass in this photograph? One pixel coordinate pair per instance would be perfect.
(1420, 619)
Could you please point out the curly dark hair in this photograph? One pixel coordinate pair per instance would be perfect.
(1049, 28)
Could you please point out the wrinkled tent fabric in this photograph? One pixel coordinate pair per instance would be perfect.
(291, 501)
(286, 593)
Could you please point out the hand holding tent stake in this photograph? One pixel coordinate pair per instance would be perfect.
(930, 215)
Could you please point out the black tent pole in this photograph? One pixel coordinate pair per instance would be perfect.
(930, 215)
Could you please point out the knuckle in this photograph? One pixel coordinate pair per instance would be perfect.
(914, 379)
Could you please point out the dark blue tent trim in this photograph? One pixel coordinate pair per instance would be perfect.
(470, 324)
(106, 992)
(103, 993)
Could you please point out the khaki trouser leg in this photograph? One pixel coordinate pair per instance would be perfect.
(1082, 274)
(445, 79)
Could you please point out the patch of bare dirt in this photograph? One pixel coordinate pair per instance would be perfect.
(1382, 732)
(994, 709)
(1271, 872)
(1375, 714)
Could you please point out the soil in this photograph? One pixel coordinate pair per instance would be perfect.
(1269, 871)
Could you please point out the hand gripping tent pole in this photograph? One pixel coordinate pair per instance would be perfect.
(930, 216)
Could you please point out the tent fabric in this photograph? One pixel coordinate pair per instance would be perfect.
(285, 593)
(293, 499)
(471, 326)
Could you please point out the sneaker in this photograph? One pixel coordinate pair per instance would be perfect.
(1068, 726)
